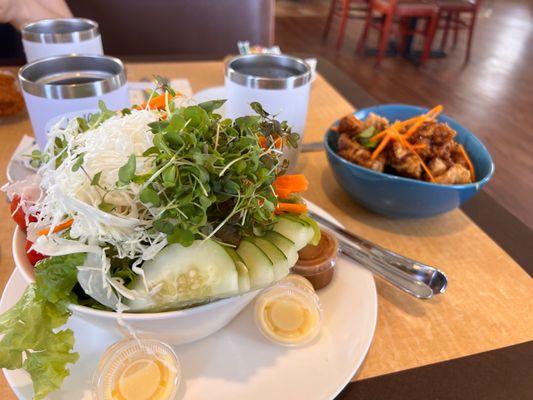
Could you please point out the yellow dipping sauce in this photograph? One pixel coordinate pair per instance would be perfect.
(137, 369)
(289, 312)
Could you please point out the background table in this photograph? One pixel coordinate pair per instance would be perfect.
(489, 302)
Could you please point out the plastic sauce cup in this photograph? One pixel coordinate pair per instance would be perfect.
(289, 312)
(137, 369)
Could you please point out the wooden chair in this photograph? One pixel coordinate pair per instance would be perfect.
(403, 11)
(345, 9)
(450, 18)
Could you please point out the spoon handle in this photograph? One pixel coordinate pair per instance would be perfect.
(419, 280)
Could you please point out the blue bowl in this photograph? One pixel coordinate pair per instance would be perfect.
(399, 197)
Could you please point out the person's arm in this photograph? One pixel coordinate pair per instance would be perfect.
(58, 7)
(20, 12)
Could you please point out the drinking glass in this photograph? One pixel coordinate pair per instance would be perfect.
(63, 84)
(280, 83)
(50, 37)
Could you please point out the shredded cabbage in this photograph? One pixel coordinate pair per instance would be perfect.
(70, 192)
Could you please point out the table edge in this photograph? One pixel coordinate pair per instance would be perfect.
(496, 374)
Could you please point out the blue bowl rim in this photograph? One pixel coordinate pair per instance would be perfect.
(410, 180)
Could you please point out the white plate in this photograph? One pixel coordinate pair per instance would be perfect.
(17, 167)
(237, 363)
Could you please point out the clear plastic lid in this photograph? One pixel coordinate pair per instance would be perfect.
(299, 281)
(137, 369)
(289, 312)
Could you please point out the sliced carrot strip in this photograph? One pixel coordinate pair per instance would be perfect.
(296, 208)
(397, 125)
(60, 227)
(418, 147)
(415, 127)
(283, 193)
(424, 166)
(398, 137)
(295, 183)
(379, 135)
(159, 101)
(469, 163)
(410, 121)
(381, 146)
(156, 102)
(433, 113)
(278, 142)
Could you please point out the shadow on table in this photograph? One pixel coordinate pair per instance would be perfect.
(405, 303)
(432, 227)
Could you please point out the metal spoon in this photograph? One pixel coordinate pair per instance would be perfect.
(312, 147)
(419, 280)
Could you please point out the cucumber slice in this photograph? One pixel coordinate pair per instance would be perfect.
(260, 267)
(307, 220)
(181, 276)
(244, 277)
(314, 226)
(242, 270)
(285, 245)
(300, 233)
(281, 264)
(296, 218)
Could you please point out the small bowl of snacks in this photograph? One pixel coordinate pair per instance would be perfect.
(406, 161)
(11, 101)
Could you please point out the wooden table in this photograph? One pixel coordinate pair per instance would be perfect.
(489, 302)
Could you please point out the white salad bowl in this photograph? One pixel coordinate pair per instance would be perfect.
(175, 327)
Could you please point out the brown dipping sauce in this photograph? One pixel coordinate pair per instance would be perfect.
(316, 263)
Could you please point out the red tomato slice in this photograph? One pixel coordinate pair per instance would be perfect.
(33, 255)
(18, 214)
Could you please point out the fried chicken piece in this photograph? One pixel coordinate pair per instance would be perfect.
(404, 161)
(437, 166)
(409, 166)
(438, 132)
(457, 156)
(378, 122)
(438, 138)
(442, 151)
(350, 124)
(455, 175)
(351, 150)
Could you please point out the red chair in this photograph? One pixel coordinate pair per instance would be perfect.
(403, 11)
(450, 18)
(345, 9)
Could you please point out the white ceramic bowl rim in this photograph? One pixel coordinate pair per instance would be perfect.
(23, 263)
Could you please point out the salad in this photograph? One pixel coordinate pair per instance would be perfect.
(125, 203)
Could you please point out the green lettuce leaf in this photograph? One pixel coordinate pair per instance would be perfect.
(30, 336)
